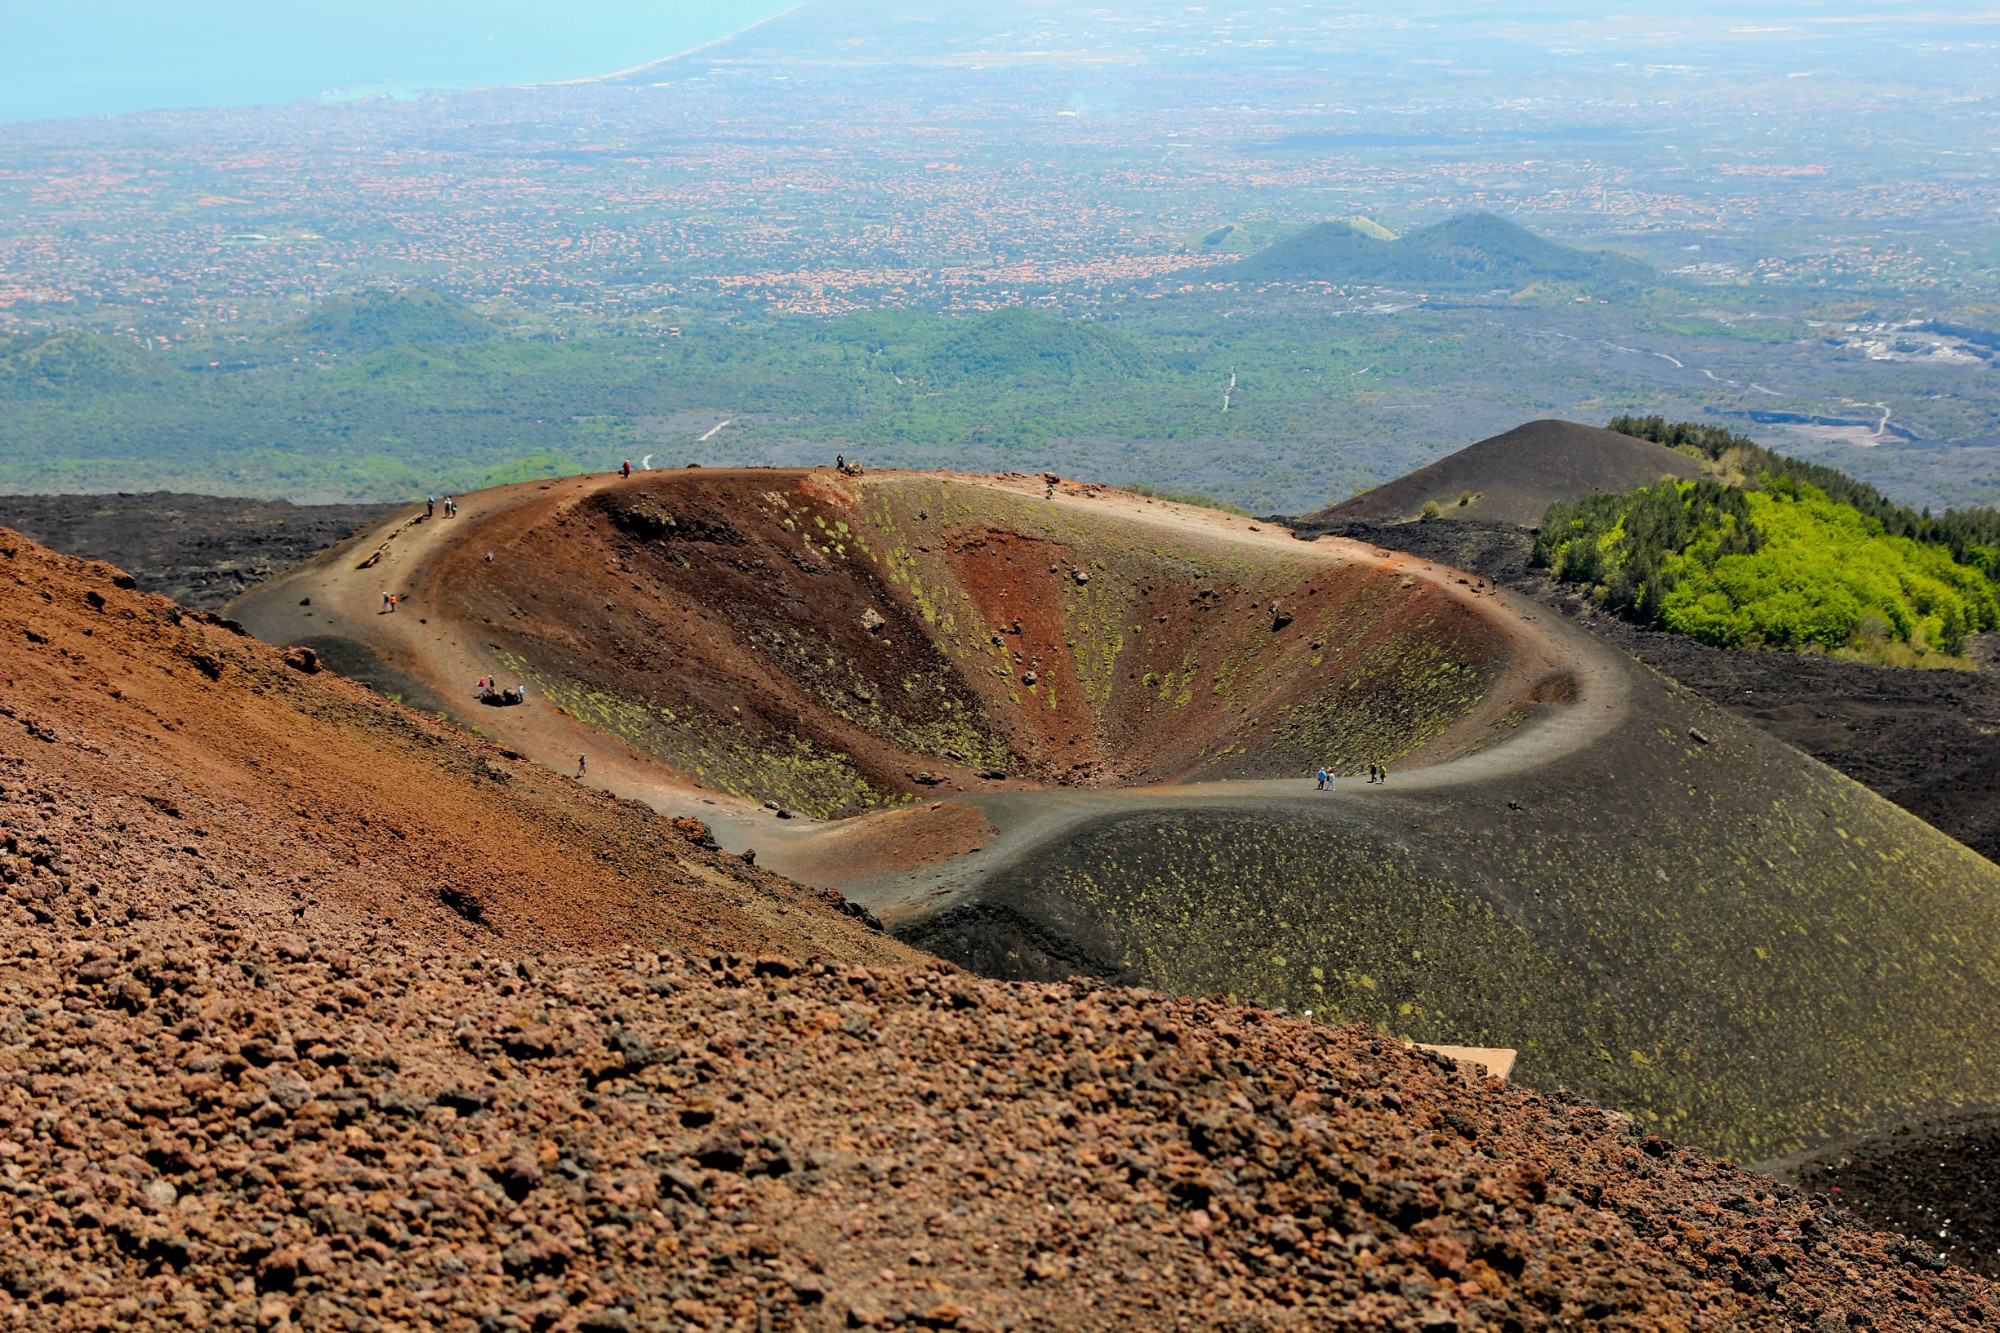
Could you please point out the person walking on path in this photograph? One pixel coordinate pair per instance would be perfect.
(582, 763)
(1371, 772)
(1322, 778)
(626, 471)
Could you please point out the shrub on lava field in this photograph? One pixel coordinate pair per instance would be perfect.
(1781, 566)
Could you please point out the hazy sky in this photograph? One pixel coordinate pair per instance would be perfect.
(99, 57)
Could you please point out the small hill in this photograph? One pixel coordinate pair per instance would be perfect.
(1017, 345)
(1653, 902)
(1515, 477)
(72, 362)
(1471, 250)
(369, 321)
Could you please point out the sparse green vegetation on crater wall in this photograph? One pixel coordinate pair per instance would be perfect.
(1732, 945)
(835, 646)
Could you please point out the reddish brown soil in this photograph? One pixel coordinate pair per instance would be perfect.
(258, 1069)
(262, 795)
(202, 1128)
(830, 643)
(915, 836)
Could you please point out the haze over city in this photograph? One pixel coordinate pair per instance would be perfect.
(985, 664)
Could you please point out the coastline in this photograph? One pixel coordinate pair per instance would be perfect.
(645, 65)
(369, 89)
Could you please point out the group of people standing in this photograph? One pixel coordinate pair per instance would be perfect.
(431, 503)
(1376, 773)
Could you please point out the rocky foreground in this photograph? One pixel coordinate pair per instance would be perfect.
(233, 1095)
(205, 1129)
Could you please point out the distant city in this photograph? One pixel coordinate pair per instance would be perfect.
(1809, 188)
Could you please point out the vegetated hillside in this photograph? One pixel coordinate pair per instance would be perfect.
(1780, 566)
(1472, 249)
(804, 638)
(1927, 740)
(195, 763)
(1971, 535)
(75, 362)
(1016, 344)
(369, 321)
(1515, 477)
(1786, 555)
(200, 550)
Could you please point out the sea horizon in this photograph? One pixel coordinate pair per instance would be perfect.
(96, 60)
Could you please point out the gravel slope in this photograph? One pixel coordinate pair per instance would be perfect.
(219, 1111)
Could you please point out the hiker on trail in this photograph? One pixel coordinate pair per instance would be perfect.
(582, 762)
(392, 602)
(386, 606)
(626, 471)
(840, 462)
(1372, 770)
(430, 506)
(450, 507)
(520, 694)
(1322, 779)
(1382, 773)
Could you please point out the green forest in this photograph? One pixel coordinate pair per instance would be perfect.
(1772, 560)
(384, 396)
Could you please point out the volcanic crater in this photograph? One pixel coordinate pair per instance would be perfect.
(837, 646)
(1044, 729)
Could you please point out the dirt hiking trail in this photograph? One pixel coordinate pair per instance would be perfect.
(428, 652)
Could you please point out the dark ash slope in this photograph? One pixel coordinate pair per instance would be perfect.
(1515, 477)
(200, 550)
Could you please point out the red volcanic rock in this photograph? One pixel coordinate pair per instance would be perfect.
(763, 1142)
(254, 1073)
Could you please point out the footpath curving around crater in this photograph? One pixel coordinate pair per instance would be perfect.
(316, 1013)
(1655, 904)
(263, 1065)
